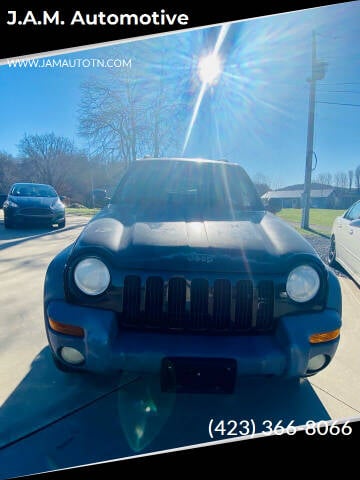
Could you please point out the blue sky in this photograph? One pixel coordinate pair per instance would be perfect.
(256, 113)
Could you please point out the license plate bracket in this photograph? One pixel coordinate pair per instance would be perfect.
(198, 375)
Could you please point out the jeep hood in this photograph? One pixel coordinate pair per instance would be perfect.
(257, 242)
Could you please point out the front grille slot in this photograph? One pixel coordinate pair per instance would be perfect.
(176, 302)
(131, 300)
(198, 306)
(38, 212)
(154, 300)
(199, 294)
(244, 305)
(221, 305)
(265, 305)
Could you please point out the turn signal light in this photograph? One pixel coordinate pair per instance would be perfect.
(324, 337)
(66, 329)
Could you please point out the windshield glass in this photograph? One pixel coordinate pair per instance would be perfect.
(195, 189)
(27, 190)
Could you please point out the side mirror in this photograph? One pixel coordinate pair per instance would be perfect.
(271, 206)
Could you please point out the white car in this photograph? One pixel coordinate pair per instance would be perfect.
(345, 242)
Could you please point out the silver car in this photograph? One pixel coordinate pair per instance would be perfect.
(345, 242)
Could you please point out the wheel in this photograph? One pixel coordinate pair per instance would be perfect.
(332, 253)
(7, 223)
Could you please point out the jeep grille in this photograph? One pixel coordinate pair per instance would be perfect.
(197, 306)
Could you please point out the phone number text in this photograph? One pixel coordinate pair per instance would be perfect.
(243, 428)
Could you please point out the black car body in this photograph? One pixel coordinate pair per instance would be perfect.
(185, 271)
(3, 197)
(99, 198)
(33, 204)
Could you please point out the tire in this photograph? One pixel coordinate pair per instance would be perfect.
(7, 223)
(62, 224)
(332, 253)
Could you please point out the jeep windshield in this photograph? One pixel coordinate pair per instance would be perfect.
(175, 189)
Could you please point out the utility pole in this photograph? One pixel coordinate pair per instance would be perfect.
(317, 73)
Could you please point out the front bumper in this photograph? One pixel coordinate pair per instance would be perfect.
(107, 349)
(16, 216)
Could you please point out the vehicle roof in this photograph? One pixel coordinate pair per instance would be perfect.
(32, 184)
(188, 159)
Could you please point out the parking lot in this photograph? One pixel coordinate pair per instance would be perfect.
(54, 420)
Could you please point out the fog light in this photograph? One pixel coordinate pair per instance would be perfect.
(317, 363)
(71, 355)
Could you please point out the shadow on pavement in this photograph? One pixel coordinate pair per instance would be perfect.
(319, 232)
(13, 237)
(54, 420)
(45, 395)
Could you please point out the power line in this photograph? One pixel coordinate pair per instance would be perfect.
(339, 91)
(338, 103)
(338, 83)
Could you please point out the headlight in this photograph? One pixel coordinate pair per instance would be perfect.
(92, 276)
(303, 283)
(9, 203)
(57, 205)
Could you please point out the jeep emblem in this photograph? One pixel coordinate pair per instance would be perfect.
(200, 258)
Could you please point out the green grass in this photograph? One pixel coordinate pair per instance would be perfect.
(318, 216)
(320, 219)
(87, 212)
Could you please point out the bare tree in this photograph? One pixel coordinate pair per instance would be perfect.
(137, 111)
(109, 119)
(55, 160)
(8, 171)
(261, 182)
(324, 178)
(47, 158)
(340, 179)
(351, 178)
(357, 178)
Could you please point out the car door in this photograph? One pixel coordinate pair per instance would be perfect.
(353, 231)
(339, 229)
(349, 239)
